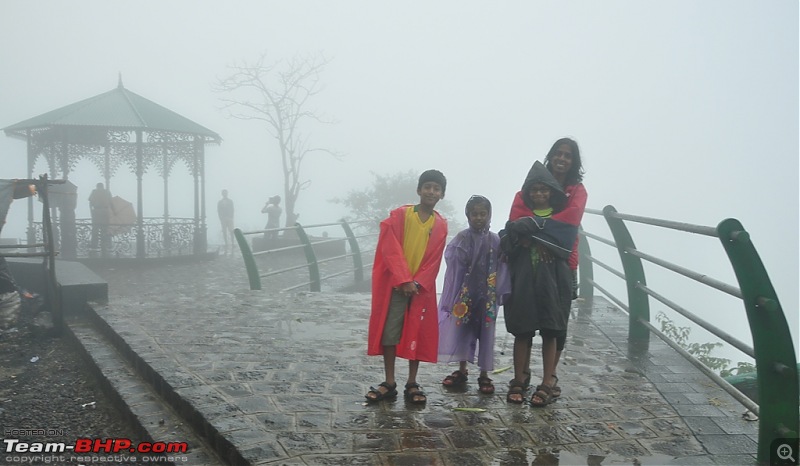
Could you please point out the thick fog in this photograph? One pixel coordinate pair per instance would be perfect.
(683, 110)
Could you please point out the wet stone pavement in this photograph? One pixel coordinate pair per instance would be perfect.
(279, 378)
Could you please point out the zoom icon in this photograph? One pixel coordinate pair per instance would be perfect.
(784, 451)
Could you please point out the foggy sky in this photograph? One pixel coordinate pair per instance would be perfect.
(682, 109)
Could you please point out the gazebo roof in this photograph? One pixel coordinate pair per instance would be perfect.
(118, 108)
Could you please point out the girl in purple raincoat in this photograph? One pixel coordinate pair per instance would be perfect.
(475, 284)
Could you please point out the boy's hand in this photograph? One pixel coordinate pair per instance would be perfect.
(409, 288)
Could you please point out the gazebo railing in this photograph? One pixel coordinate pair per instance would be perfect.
(173, 237)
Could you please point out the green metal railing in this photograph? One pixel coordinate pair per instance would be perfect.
(773, 351)
(307, 245)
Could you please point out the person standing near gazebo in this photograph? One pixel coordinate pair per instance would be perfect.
(100, 206)
(225, 212)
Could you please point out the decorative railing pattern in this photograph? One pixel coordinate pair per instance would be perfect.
(173, 237)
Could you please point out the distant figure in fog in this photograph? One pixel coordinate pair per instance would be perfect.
(100, 206)
(273, 210)
(225, 212)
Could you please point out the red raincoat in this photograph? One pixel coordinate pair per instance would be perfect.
(572, 213)
(420, 337)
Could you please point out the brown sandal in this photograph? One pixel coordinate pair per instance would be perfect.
(545, 395)
(556, 388)
(515, 388)
(485, 385)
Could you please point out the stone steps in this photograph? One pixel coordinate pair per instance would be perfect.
(153, 418)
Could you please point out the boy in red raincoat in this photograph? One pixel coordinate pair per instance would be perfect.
(404, 321)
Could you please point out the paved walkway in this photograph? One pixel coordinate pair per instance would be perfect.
(279, 378)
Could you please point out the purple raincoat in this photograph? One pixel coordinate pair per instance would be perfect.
(475, 285)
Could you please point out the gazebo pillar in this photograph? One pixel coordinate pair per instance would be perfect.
(196, 177)
(165, 169)
(31, 233)
(203, 228)
(140, 253)
(67, 231)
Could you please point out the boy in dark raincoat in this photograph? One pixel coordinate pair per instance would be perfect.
(537, 248)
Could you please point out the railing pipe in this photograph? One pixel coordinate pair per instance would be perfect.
(285, 248)
(268, 230)
(287, 269)
(606, 266)
(358, 266)
(25, 254)
(22, 246)
(776, 364)
(699, 277)
(249, 261)
(639, 306)
(723, 335)
(680, 226)
(599, 238)
(53, 289)
(613, 298)
(311, 258)
(724, 384)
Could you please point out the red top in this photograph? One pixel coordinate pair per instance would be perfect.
(572, 213)
(420, 337)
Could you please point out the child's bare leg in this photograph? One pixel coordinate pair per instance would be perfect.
(389, 358)
(555, 365)
(543, 395)
(527, 370)
(548, 359)
(522, 347)
(522, 357)
(462, 366)
(413, 367)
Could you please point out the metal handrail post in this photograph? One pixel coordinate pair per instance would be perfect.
(585, 267)
(776, 364)
(311, 258)
(49, 265)
(358, 266)
(638, 301)
(249, 260)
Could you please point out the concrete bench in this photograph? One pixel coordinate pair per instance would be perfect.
(78, 284)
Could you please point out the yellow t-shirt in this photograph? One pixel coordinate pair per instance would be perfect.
(415, 238)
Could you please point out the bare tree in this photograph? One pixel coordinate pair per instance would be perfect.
(372, 204)
(277, 93)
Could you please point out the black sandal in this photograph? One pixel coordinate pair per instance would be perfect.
(413, 392)
(485, 385)
(389, 394)
(456, 379)
(515, 388)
